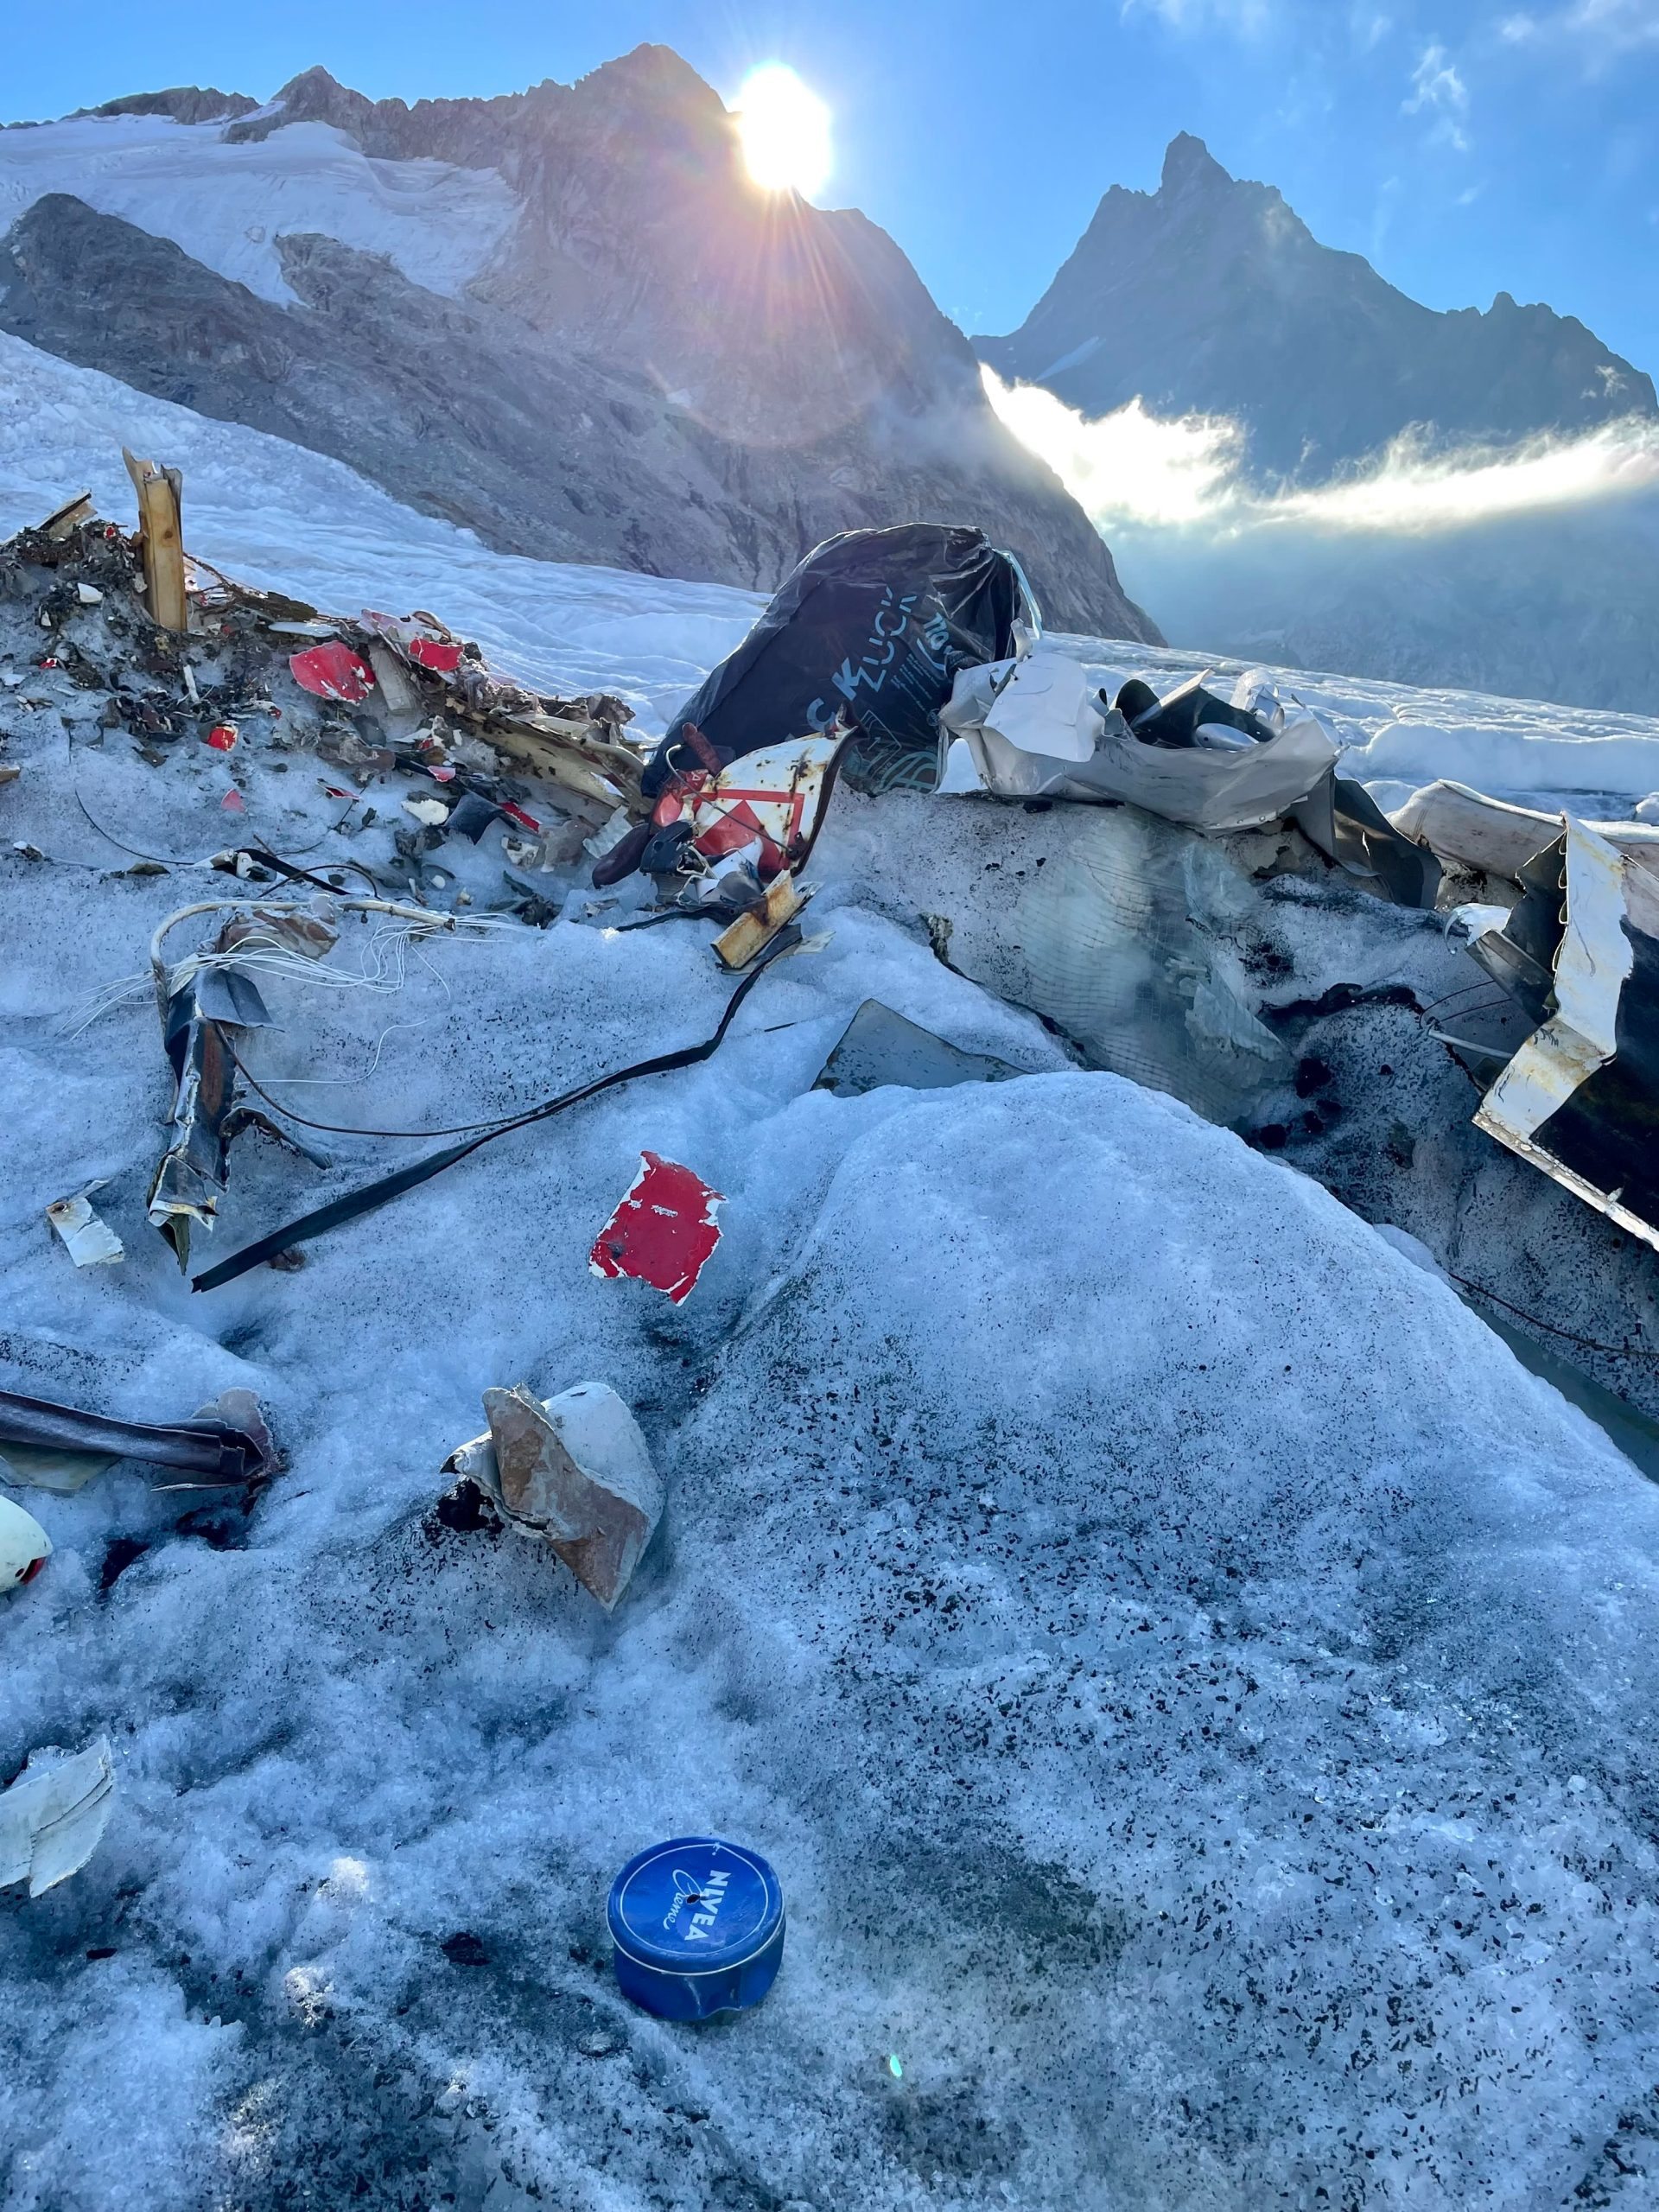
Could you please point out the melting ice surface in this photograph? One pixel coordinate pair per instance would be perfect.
(1196, 1688)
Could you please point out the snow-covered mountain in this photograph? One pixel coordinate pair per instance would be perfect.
(564, 317)
(1211, 296)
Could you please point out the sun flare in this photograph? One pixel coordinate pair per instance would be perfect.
(784, 131)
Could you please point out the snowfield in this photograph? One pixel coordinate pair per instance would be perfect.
(226, 204)
(1195, 1687)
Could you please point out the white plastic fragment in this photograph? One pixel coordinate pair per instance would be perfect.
(89, 594)
(23, 1545)
(54, 1817)
(432, 812)
(90, 1242)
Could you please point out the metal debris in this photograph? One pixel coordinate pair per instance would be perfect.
(879, 1047)
(664, 1232)
(225, 1444)
(90, 1242)
(1580, 1098)
(575, 1472)
(53, 1818)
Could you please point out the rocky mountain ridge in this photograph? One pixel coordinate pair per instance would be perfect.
(1211, 296)
(658, 366)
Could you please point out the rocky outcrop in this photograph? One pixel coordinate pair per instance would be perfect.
(184, 103)
(661, 367)
(1211, 296)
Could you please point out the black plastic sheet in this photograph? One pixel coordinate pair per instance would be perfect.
(874, 626)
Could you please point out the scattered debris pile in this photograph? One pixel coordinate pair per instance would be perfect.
(397, 703)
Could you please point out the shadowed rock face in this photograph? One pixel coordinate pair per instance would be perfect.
(1211, 295)
(662, 367)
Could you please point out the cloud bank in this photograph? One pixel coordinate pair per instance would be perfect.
(1531, 571)
(1131, 469)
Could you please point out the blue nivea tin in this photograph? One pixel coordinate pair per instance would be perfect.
(698, 1927)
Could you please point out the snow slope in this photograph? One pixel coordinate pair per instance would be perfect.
(226, 204)
(1195, 1687)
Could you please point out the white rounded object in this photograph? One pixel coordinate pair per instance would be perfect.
(23, 1545)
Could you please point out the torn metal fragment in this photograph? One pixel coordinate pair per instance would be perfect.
(209, 997)
(664, 1232)
(1580, 1098)
(879, 1047)
(333, 672)
(765, 807)
(24, 1547)
(400, 698)
(751, 933)
(66, 520)
(574, 1470)
(90, 1241)
(1467, 827)
(53, 1818)
(225, 1444)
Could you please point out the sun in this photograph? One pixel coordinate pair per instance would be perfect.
(784, 131)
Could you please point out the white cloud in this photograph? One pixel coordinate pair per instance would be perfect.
(1368, 26)
(1601, 28)
(1130, 471)
(1438, 90)
(1246, 18)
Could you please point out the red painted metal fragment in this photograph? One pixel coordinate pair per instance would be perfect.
(222, 737)
(517, 814)
(665, 1230)
(332, 672)
(233, 803)
(432, 652)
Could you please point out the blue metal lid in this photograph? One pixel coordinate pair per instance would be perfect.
(695, 1906)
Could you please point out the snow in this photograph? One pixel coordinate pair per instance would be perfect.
(1195, 1687)
(226, 204)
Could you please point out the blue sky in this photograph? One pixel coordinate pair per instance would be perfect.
(1464, 148)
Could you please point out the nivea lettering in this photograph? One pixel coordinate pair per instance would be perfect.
(708, 1896)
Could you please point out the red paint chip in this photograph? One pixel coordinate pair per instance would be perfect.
(332, 672)
(665, 1230)
(517, 814)
(442, 775)
(432, 652)
(233, 803)
(222, 737)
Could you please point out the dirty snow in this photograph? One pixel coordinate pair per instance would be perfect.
(226, 204)
(1195, 1687)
